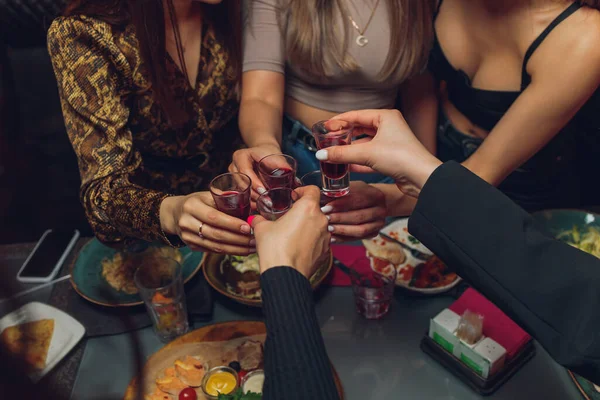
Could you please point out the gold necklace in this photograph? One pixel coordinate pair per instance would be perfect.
(361, 39)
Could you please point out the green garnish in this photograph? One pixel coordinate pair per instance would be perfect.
(587, 241)
(413, 239)
(240, 395)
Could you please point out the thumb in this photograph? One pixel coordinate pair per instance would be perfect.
(308, 192)
(254, 220)
(353, 154)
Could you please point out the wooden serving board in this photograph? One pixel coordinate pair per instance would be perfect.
(222, 332)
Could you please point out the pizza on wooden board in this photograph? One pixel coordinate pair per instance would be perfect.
(30, 341)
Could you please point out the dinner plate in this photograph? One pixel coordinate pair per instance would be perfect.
(588, 390)
(212, 272)
(399, 230)
(67, 331)
(87, 279)
(556, 222)
(221, 332)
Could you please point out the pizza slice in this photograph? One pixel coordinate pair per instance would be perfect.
(30, 341)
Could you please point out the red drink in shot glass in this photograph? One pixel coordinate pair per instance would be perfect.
(274, 203)
(278, 171)
(315, 178)
(231, 193)
(336, 177)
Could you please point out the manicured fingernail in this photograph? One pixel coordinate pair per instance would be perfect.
(267, 202)
(261, 190)
(328, 217)
(245, 229)
(250, 219)
(332, 240)
(326, 209)
(252, 243)
(330, 228)
(322, 155)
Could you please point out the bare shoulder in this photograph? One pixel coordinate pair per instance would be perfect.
(571, 46)
(582, 33)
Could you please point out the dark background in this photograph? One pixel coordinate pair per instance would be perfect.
(39, 178)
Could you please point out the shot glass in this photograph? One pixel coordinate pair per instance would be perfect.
(336, 177)
(373, 291)
(160, 283)
(231, 193)
(274, 203)
(278, 171)
(315, 178)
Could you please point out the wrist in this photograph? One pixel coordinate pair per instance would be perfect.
(423, 168)
(266, 262)
(280, 260)
(168, 223)
(482, 170)
(270, 144)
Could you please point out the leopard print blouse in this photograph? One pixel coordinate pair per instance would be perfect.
(130, 157)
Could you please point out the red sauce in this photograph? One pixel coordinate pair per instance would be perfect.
(406, 272)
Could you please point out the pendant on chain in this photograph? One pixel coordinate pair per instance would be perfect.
(362, 41)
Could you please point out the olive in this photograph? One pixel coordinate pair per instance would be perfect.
(235, 366)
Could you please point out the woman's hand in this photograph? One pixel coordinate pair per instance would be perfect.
(359, 215)
(244, 161)
(298, 239)
(195, 219)
(392, 149)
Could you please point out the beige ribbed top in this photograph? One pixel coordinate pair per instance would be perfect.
(264, 49)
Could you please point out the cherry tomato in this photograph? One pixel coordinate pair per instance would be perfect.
(188, 394)
(242, 374)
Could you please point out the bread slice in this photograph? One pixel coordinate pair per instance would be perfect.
(381, 248)
(30, 341)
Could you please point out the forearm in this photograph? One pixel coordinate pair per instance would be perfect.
(419, 105)
(397, 203)
(494, 245)
(120, 212)
(296, 362)
(260, 123)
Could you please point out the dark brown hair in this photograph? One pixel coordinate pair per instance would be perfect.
(590, 3)
(312, 40)
(148, 19)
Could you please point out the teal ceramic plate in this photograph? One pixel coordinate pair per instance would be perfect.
(87, 280)
(587, 388)
(556, 222)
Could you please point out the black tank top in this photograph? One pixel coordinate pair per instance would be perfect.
(484, 108)
(573, 152)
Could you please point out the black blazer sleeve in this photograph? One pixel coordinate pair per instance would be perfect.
(296, 363)
(549, 288)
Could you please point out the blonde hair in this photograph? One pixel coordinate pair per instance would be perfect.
(313, 43)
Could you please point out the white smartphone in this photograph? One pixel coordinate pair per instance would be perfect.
(48, 256)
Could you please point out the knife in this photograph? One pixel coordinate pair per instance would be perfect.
(348, 271)
(415, 253)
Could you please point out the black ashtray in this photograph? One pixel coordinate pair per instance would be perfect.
(479, 384)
